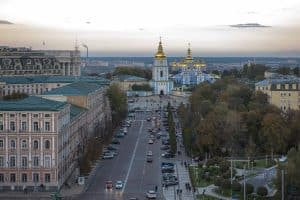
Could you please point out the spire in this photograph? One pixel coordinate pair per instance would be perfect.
(189, 53)
(160, 52)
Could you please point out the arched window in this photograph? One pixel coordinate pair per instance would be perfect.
(47, 144)
(13, 144)
(24, 144)
(35, 144)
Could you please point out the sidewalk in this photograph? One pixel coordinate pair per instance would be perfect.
(209, 192)
(28, 196)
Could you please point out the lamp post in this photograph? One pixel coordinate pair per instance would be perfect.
(282, 184)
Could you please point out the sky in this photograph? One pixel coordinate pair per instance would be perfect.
(133, 27)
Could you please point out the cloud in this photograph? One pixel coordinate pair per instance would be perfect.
(5, 22)
(249, 25)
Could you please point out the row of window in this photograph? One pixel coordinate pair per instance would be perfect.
(24, 144)
(24, 177)
(25, 115)
(23, 126)
(24, 161)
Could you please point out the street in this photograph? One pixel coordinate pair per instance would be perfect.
(129, 166)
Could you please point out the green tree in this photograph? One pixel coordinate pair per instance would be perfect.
(118, 103)
(274, 133)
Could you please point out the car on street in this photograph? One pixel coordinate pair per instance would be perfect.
(115, 141)
(149, 153)
(119, 135)
(151, 194)
(165, 147)
(119, 185)
(150, 141)
(108, 155)
(152, 137)
(170, 182)
(149, 158)
(111, 148)
(167, 155)
(148, 119)
(109, 185)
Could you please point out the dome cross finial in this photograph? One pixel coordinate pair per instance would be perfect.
(160, 52)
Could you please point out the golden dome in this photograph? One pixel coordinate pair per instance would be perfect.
(189, 54)
(160, 52)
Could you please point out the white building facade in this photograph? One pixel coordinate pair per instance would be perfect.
(160, 74)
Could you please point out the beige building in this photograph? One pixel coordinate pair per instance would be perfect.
(283, 91)
(42, 140)
(25, 61)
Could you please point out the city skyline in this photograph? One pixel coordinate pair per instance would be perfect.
(132, 28)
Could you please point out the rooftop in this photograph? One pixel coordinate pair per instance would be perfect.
(75, 111)
(51, 79)
(31, 103)
(130, 78)
(75, 89)
(280, 79)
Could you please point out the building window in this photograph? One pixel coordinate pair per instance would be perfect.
(24, 178)
(12, 178)
(47, 144)
(47, 162)
(36, 115)
(1, 125)
(1, 161)
(13, 144)
(35, 161)
(47, 115)
(24, 161)
(12, 115)
(36, 177)
(1, 144)
(23, 115)
(23, 126)
(35, 126)
(35, 144)
(2, 178)
(12, 161)
(47, 126)
(12, 126)
(47, 178)
(24, 144)
(161, 74)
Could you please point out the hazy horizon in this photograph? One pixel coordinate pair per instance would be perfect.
(132, 28)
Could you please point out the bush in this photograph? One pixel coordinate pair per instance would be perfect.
(225, 184)
(249, 188)
(262, 191)
(236, 186)
(218, 181)
(226, 175)
(224, 166)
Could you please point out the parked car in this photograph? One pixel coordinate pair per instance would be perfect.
(119, 185)
(109, 185)
(112, 148)
(115, 141)
(150, 141)
(149, 153)
(165, 147)
(108, 156)
(151, 194)
(119, 135)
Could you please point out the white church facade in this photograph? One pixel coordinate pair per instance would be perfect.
(160, 74)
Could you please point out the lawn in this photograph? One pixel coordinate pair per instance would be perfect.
(205, 197)
(257, 164)
(197, 180)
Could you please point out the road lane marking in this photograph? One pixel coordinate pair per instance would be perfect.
(132, 158)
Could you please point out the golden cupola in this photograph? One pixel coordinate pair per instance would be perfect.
(189, 54)
(160, 52)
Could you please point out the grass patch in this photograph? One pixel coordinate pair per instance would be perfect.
(196, 174)
(205, 197)
(257, 164)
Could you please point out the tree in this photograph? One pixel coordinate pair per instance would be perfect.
(143, 87)
(118, 103)
(134, 71)
(274, 133)
(262, 191)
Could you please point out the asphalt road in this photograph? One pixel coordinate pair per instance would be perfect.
(129, 166)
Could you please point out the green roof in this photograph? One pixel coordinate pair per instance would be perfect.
(52, 79)
(75, 89)
(130, 78)
(31, 103)
(75, 111)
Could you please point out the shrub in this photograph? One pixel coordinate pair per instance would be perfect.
(218, 181)
(225, 184)
(249, 188)
(224, 166)
(236, 186)
(262, 191)
(226, 175)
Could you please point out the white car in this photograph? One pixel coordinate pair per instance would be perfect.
(119, 185)
(150, 141)
(149, 153)
(151, 194)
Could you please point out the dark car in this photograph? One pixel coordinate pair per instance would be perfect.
(115, 141)
(111, 148)
(165, 147)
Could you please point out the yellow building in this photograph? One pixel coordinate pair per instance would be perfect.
(283, 91)
(188, 62)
